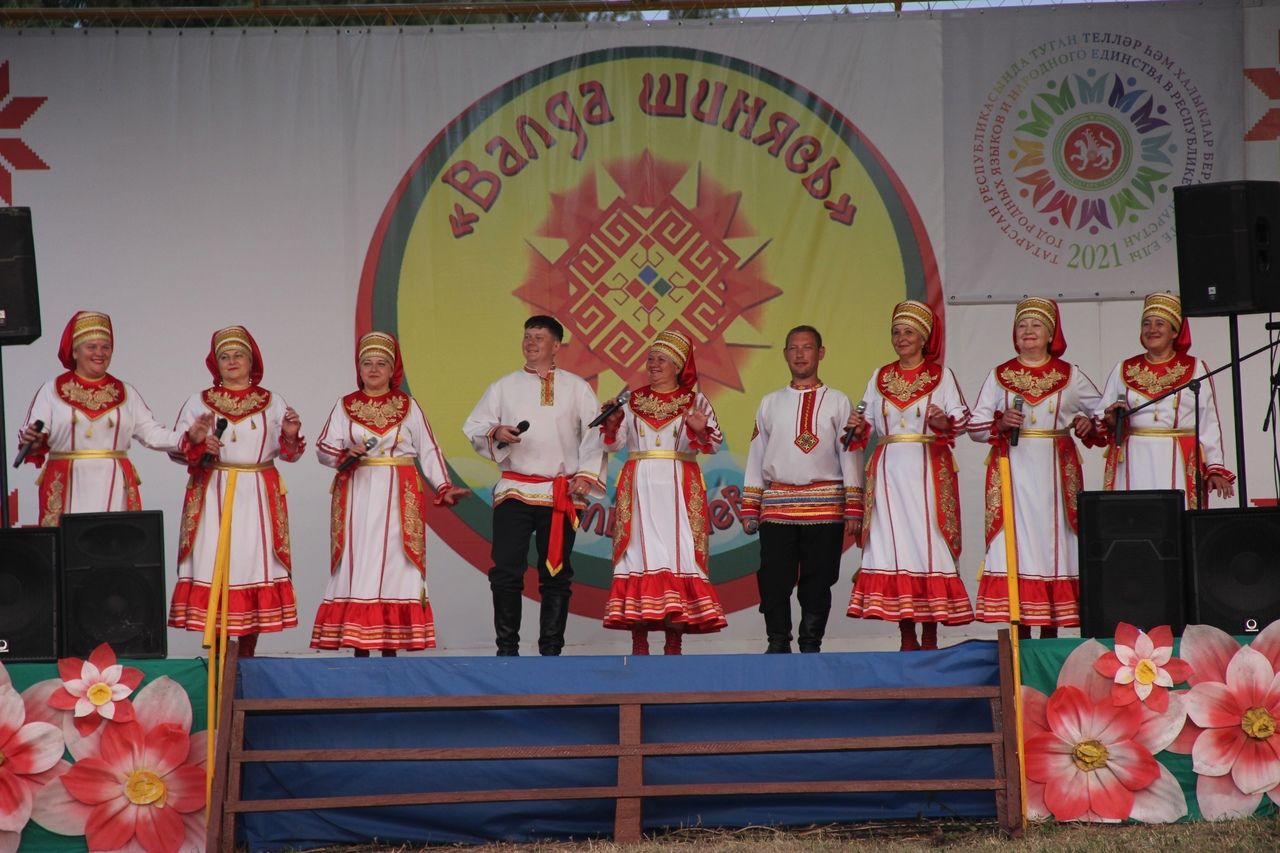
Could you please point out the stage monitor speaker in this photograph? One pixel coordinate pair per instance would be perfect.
(28, 594)
(19, 295)
(1130, 561)
(1235, 568)
(113, 583)
(1228, 247)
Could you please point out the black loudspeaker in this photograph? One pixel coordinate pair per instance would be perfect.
(113, 584)
(1235, 568)
(1130, 561)
(19, 295)
(28, 594)
(1228, 247)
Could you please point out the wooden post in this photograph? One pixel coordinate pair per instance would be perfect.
(627, 826)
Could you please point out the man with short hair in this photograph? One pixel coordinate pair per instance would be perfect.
(802, 490)
(534, 424)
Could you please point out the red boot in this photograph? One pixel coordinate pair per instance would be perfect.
(1048, 632)
(907, 628)
(639, 641)
(248, 644)
(674, 638)
(929, 635)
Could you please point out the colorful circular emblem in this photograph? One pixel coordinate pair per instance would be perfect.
(627, 192)
(1082, 140)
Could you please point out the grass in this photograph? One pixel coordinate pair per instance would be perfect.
(1241, 836)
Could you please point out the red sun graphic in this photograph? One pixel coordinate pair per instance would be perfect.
(641, 247)
(1092, 151)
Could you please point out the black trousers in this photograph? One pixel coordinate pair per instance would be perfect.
(513, 523)
(803, 557)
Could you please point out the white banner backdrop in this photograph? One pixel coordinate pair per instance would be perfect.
(270, 178)
(1076, 126)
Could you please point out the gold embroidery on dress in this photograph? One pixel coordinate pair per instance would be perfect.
(1026, 382)
(282, 517)
(379, 414)
(896, 386)
(53, 506)
(1147, 381)
(415, 534)
(91, 399)
(993, 503)
(189, 513)
(234, 407)
(657, 409)
(547, 396)
(947, 504)
(697, 523)
(1071, 488)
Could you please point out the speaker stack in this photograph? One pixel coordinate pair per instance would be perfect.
(99, 578)
(1228, 247)
(1146, 561)
(19, 295)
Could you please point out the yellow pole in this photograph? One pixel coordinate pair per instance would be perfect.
(219, 595)
(1015, 616)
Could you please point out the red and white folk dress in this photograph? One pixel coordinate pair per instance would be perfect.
(660, 546)
(1046, 474)
(912, 538)
(377, 592)
(261, 597)
(1158, 450)
(90, 425)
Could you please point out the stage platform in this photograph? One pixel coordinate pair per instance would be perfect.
(965, 665)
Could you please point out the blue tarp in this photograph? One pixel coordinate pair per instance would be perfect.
(972, 663)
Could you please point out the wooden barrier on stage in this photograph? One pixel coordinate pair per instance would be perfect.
(630, 750)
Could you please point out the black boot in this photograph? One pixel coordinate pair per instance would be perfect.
(506, 622)
(553, 616)
(812, 628)
(777, 626)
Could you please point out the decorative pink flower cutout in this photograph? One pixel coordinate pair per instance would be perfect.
(1142, 668)
(30, 757)
(96, 689)
(1054, 790)
(139, 787)
(1234, 751)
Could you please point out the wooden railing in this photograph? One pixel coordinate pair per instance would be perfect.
(630, 750)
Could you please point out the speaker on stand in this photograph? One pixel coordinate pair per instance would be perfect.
(1234, 567)
(19, 311)
(29, 594)
(1130, 561)
(113, 584)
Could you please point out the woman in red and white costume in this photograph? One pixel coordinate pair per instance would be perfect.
(1058, 400)
(1158, 443)
(660, 579)
(377, 592)
(89, 419)
(912, 540)
(260, 427)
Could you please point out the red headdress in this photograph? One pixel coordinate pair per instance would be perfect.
(234, 337)
(381, 343)
(1168, 307)
(679, 349)
(83, 326)
(1046, 311)
(920, 317)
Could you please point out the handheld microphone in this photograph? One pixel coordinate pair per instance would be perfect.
(351, 461)
(218, 430)
(617, 403)
(27, 445)
(1013, 433)
(850, 432)
(521, 429)
(1121, 414)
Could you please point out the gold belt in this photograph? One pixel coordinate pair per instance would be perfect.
(1156, 432)
(912, 437)
(231, 466)
(387, 460)
(662, 454)
(89, 454)
(1043, 433)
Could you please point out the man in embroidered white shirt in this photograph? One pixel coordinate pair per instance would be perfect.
(535, 424)
(803, 492)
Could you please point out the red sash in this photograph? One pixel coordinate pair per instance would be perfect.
(562, 509)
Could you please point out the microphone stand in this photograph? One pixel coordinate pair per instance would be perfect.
(4, 454)
(1234, 366)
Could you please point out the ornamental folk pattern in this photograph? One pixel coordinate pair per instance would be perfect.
(1031, 384)
(236, 407)
(90, 400)
(378, 414)
(896, 386)
(1142, 378)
